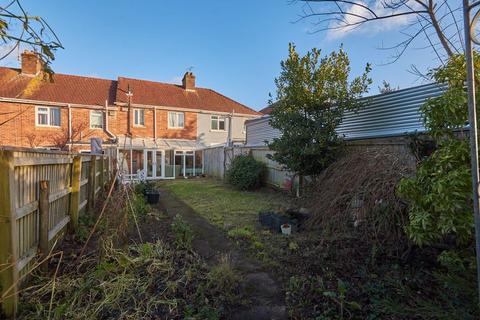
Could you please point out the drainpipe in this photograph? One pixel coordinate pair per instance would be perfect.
(155, 124)
(69, 127)
(129, 115)
(229, 138)
(106, 122)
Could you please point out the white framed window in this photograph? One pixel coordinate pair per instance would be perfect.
(47, 117)
(139, 117)
(176, 120)
(217, 123)
(96, 119)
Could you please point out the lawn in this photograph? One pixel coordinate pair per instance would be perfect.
(224, 206)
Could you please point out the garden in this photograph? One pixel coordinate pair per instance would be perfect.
(373, 233)
(334, 274)
(130, 261)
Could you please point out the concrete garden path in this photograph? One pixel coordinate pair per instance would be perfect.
(267, 301)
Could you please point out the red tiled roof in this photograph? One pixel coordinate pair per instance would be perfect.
(267, 110)
(64, 88)
(171, 95)
(93, 91)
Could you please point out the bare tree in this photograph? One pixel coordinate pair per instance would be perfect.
(63, 139)
(435, 21)
(18, 28)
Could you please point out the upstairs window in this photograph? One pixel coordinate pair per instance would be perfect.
(96, 119)
(176, 120)
(48, 117)
(218, 123)
(139, 117)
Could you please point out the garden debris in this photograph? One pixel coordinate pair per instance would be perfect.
(119, 277)
(359, 190)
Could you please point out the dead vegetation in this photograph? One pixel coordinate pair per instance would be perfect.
(121, 277)
(357, 194)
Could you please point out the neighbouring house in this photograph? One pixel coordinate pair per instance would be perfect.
(160, 128)
(389, 116)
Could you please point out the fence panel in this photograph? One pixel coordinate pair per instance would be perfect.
(214, 162)
(21, 172)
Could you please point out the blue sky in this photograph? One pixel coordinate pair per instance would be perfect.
(234, 47)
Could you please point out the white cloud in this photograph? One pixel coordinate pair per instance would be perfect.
(355, 12)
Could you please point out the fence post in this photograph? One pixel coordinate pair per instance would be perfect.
(102, 171)
(91, 182)
(8, 237)
(108, 169)
(43, 209)
(75, 194)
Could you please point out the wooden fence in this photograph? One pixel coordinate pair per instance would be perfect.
(218, 159)
(41, 194)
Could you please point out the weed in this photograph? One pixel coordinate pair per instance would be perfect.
(224, 280)
(145, 281)
(85, 223)
(140, 206)
(182, 232)
(244, 233)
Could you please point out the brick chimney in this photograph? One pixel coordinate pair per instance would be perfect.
(188, 81)
(31, 63)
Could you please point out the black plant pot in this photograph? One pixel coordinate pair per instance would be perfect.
(152, 196)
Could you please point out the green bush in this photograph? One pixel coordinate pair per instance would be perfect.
(246, 173)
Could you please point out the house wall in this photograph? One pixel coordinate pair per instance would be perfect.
(208, 137)
(189, 131)
(17, 126)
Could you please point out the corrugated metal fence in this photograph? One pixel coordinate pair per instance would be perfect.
(385, 115)
(41, 193)
(391, 114)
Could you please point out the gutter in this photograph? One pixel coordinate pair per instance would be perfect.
(50, 103)
(202, 111)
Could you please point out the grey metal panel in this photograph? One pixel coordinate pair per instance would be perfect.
(392, 114)
(259, 131)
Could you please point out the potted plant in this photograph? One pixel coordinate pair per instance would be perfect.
(152, 196)
(286, 229)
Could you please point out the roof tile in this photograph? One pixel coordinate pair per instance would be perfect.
(94, 91)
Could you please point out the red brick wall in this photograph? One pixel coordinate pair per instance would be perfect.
(17, 126)
(118, 125)
(188, 132)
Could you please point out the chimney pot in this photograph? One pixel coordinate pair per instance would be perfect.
(31, 63)
(188, 81)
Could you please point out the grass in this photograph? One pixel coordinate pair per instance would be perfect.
(222, 205)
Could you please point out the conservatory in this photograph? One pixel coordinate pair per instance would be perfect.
(159, 158)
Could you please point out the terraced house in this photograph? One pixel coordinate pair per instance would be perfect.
(157, 127)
